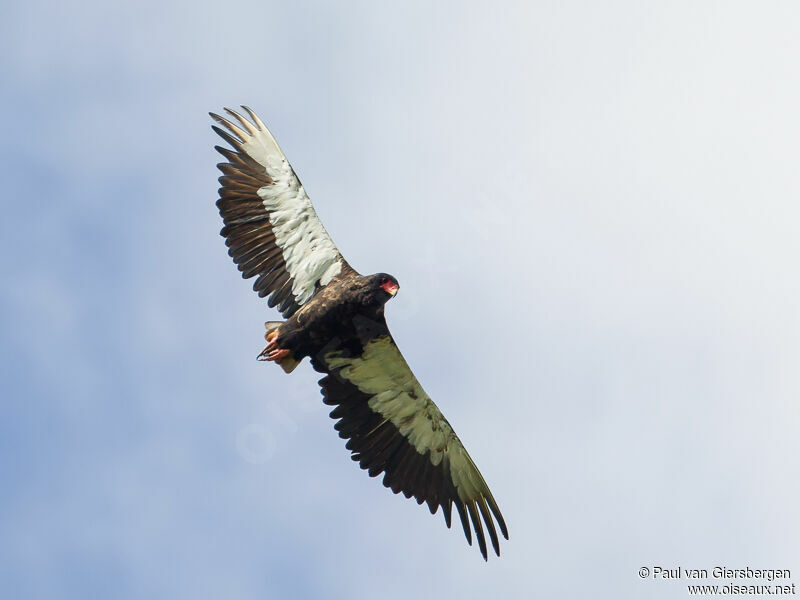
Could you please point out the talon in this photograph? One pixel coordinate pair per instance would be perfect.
(273, 353)
(278, 354)
(271, 335)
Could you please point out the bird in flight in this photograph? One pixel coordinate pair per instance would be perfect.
(335, 317)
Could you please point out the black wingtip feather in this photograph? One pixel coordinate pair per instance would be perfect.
(228, 138)
(447, 509)
(254, 117)
(498, 517)
(464, 522)
(487, 518)
(251, 130)
(476, 523)
(232, 127)
(226, 152)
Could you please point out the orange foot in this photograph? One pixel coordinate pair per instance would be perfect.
(277, 355)
(272, 351)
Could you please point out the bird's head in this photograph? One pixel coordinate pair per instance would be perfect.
(384, 286)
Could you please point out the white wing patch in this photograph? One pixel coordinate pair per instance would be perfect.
(382, 373)
(308, 250)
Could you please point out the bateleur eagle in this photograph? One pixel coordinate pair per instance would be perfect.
(335, 317)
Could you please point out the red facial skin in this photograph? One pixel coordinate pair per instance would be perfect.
(390, 287)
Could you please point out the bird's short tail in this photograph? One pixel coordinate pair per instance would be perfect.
(271, 327)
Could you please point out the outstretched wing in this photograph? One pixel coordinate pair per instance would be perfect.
(393, 427)
(270, 227)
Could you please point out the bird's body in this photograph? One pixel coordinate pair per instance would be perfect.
(332, 314)
(335, 317)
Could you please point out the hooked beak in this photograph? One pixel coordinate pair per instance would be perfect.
(390, 288)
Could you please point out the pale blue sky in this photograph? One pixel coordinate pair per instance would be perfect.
(592, 212)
